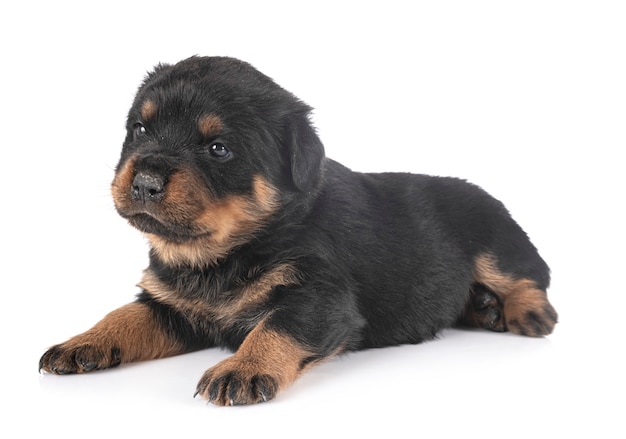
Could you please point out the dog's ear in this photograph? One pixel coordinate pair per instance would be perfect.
(306, 152)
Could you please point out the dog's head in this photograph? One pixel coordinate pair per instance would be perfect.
(212, 148)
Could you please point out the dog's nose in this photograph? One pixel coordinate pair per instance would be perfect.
(147, 187)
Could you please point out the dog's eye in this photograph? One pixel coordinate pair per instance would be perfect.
(138, 130)
(219, 151)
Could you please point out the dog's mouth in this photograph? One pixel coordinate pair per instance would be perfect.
(178, 233)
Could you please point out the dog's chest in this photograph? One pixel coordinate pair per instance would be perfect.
(207, 299)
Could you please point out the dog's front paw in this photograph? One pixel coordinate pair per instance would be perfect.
(76, 357)
(230, 383)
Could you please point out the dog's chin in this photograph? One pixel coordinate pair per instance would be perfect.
(147, 224)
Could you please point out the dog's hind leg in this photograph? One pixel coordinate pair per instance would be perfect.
(524, 305)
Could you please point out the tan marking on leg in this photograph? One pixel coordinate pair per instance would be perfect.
(265, 363)
(527, 310)
(137, 332)
(127, 334)
(486, 272)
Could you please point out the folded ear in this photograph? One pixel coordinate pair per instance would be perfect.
(306, 152)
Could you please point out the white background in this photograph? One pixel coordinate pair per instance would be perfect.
(527, 99)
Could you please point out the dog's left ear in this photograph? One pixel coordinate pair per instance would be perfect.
(306, 152)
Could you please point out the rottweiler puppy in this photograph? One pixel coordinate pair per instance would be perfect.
(262, 245)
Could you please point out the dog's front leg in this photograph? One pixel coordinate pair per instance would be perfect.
(266, 362)
(130, 333)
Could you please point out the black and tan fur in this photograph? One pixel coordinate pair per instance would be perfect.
(261, 244)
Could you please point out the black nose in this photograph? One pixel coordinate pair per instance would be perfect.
(147, 187)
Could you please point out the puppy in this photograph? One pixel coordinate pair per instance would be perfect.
(262, 245)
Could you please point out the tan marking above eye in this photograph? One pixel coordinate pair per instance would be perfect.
(148, 110)
(210, 125)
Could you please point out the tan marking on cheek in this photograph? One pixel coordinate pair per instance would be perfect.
(265, 194)
(224, 218)
(221, 224)
(185, 197)
(120, 187)
(148, 110)
(210, 125)
(240, 215)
